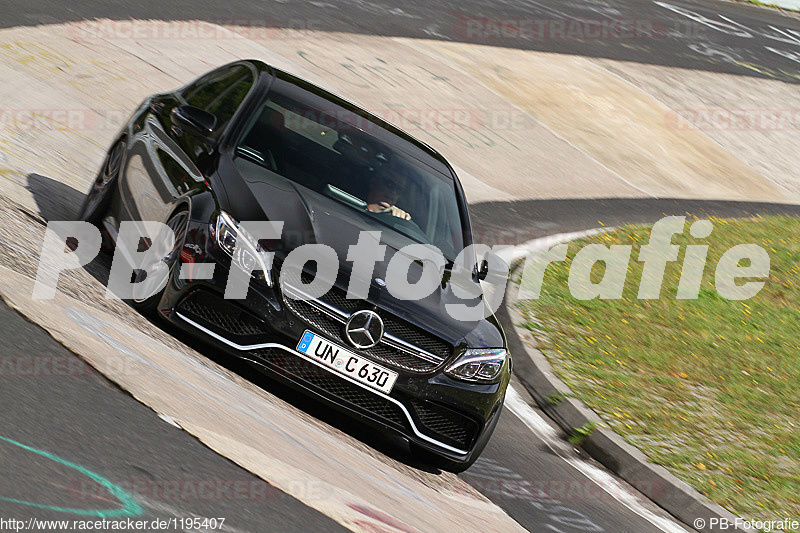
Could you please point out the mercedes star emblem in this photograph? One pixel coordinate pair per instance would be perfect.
(364, 329)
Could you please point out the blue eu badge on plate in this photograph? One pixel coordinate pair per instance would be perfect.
(305, 340)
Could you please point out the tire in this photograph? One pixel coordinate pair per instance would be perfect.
(98, 199)
(442, 463)
(178, 222)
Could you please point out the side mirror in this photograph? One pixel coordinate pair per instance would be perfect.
(193, 120)
(492, 267)
(493, 279)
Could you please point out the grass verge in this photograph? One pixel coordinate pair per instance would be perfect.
(708, 388)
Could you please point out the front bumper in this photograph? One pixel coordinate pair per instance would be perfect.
(436, 412)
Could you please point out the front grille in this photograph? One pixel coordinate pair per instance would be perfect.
(332, 324)
(338, 299)
(401, 329)
(438, 422)
(414, 335)
(335, 330)
(322, 381)
(315, 318)
(221, 315)
(446, 425)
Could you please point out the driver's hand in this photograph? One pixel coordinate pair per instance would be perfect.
(385, 207)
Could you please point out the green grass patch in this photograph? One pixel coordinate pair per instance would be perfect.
(579, 435)
(709, 388)
(556, 398)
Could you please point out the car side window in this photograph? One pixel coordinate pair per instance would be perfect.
(221, 93)
(202, 91)
(176, 174)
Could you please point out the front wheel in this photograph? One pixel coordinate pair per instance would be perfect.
(146, 279)
(442, 463)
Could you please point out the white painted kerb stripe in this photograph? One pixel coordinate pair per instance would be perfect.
(603, 479)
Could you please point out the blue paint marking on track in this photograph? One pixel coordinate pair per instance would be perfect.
(129, 506)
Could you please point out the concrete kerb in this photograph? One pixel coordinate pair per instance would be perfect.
(553, 396)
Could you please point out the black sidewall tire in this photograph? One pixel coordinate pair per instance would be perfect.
(150, 305)
(101, 209)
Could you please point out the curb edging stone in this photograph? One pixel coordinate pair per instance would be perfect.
(654, 481)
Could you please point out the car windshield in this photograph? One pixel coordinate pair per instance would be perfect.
(324, 151)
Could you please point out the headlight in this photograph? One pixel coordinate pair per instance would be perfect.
(243, 248)
(481, 365)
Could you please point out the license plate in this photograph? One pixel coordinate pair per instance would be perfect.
(346, 362)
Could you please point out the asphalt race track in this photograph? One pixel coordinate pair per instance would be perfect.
(86, 420)
(742, 44)
(79, 415)
(63, 423)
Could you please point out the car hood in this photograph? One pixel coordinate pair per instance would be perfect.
(310, 217)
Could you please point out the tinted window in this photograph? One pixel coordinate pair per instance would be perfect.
(324, 151)
(175, 172)
(221, 93)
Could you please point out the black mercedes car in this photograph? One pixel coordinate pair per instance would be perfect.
(249, 142)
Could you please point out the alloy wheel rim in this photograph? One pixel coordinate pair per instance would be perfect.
(178, 225)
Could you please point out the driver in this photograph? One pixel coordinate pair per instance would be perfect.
(385, 188)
